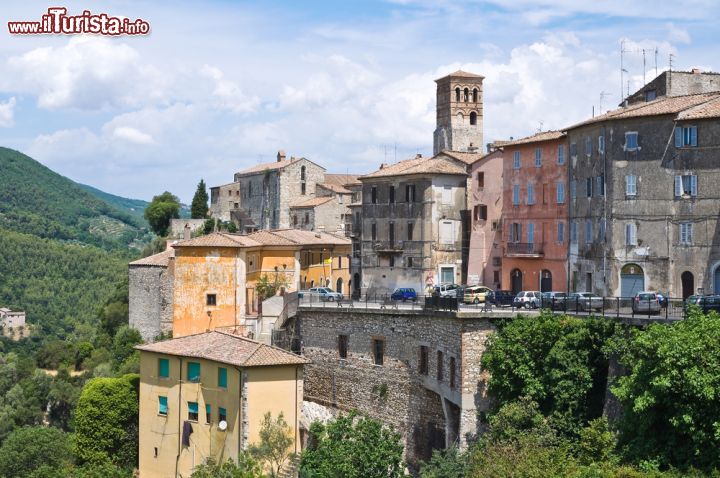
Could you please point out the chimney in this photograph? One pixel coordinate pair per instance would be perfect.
(281, 156)
(696, 71)
(186, 232)
(418, 156)
(383, 165)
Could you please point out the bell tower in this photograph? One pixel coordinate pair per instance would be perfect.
(459, 110)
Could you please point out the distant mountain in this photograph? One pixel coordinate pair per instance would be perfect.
(134, 207)
(35, 200)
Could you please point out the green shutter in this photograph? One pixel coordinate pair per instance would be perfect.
(222, 377)
(192, 407)
(162, 405)
(193, 372)
(163, 368)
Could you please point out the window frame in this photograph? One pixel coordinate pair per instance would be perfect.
(686, 233)
(196, 413)
(516, 160)
(163, 402)
(161, 362)
(630, 179)
(560, 193)
(560, 232)
(538, 157)
(636, 136)
(516, 195)
(440, 366)
(211, 300)
(530, 194)
(561, 154)
(222, 378)
(424, 360)
(189, 377)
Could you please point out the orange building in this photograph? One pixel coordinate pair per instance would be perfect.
(216, 275)
(535, 225)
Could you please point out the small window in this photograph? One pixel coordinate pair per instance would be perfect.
(222, 415)
(516, 160)
(342, 346)
(391, 261)
(573, 150)
(481, 212)
(391, 195)
(686, 136)
(452, 372)
(475, 95)
(560, 190)
(480, 180)
(650, 95)
(423, 362)
(588, 187)
(294, 220)
(410, 227)
(163, 368)
(303, 188)
(538, 157)
(473, 118)
(516, 195)
(410, 193)
(222, 377)
(588, 146)
(307, 218)
(162, 406)
(457, 94)
(573, 232)
(561, 154)
(466, 95)
(373, 231)
(686, 233)
(561, 232)
(208, 414)
(601, 144)
(573, 189)
(193, 411)
(373, 195)
(630, 185)
(440, 371)
(378, 351)
(302, 173)
(193, 372)
(588, 231)
(630, 234)
(530, 194)
(603, 227)
(631, 141)
(211, 299)
(686, 185)
(531, 233)
(409, 262)
(600, 185)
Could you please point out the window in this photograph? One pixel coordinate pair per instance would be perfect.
(342, 346)
(480, 180)
(193, 411)
(516, 195)
(303, 189)
(573, 232)
(373, 195)
(378, 351)
(423, 361)
(340, 199)
(588, 231)
(162, 406)
(440, 366)
(163, 368)
(573, 189)
(410, 227)
(447, 195)
(631, 141)
(475, 95)
(650, 95)
(561, 232)
(588, 146)
(560, 189)
(561, 154)
(600, 185)
(685, 136)
(391, 233)
(457, 94)
(630, 234)
(447, 232)
(573, 150)
(686, 185)
(391, 195)
(630, 185)
(494, 225)
(686, 233)
(409, 262)
(211, 299)
(480, 212)
(193, 372)
(294, 220)
(466, 95)
(588, 187)
(452, 372)
(538, 157)
(531, 233)
(222, 377)
(373, 231)
(222, 415)
(302, 173)
(515, 232)
(516, 160)
(208, 414)
(601, 144)
(603, 227)
(473, 118)
(307, 218)
(410, 193)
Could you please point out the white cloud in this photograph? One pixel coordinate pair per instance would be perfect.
(7, 113)
(228, 93)
(678, 35)
(132, 135)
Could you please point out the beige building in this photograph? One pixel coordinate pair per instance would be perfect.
(205, 396)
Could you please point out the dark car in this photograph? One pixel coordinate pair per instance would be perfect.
(502, 298)
(404, 293)
(706, 303)
(554, 300)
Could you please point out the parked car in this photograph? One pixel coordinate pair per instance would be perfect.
(584, 301)
(705, 302)
(476, 294)
(530, 299)
(323, 293)
(404, 293)
(662, 298)
(554, 300)
(646, 302)
(447, 290)
(501, 298)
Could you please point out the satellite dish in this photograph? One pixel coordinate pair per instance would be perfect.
(222, 426)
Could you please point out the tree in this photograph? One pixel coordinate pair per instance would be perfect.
(352, 447)
(161, 209)
(27, 449)
(106, 420)
(448, 463)
(62, 398)
(199, 205)
(267, 286)
(275, 441)
(209, 225)
(124, 344)
(245, 467)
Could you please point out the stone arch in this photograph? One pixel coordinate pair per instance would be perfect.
(457, 94)
(339, 285)
(473, 118)
(687, 282)
(475, 95)
(516, 281)
(632, 280)
(466, 95)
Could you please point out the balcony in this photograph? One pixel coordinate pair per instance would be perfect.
(352, 229)
(388, 247)
(524, 249)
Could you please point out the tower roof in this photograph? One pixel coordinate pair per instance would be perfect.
(461, 74)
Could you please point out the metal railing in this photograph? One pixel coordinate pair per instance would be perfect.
(524, 248)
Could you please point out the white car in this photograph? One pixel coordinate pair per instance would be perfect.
(530, 299)
(324, 293)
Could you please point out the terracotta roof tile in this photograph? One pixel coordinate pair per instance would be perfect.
(260, 168)
(156, 260)
(466, 157)
(218, 239)
(335, 188)
(341, 179)
(463, 74)
(312, 202)
(434, 165)
(225, 348)
(536, 138)
(710, 109)
(269, 238)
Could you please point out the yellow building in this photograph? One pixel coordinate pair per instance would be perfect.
(205, 395)
(215, 275)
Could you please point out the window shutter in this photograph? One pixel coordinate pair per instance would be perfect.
(678, 186)
(678, 137)
(693, 136)
(693, 185)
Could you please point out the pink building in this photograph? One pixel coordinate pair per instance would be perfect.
(485, 201)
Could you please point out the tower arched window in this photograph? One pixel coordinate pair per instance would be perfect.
(302, 173)
(457, 94)
(302, 181)
(475, 95)
(465, 95)
(460, 118)
(473, 118)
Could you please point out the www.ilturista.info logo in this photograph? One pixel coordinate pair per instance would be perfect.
(57, 21)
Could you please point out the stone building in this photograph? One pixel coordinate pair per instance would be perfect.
(485, 203)
(417, 371)
(676, 83)
(459, 110)
(150, 294)
(534, 216)
(11, 319)
(643, 204)
(412, 232)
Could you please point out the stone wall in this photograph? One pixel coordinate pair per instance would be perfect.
(151, 300)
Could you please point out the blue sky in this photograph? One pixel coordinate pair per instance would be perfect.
(222, 85)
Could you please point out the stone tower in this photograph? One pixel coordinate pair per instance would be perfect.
(459, 113)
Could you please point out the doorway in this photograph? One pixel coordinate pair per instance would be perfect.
(339, 285)
(688, 284)
(545, 281)
(632, 280)
(516, 281)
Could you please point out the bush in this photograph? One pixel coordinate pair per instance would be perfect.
(28, 449)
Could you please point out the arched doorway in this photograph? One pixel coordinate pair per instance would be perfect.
(632, 280)
(545, 281)
(356, 285)
(516, 281)
(688, 284)
(716, 281)
(338, 285)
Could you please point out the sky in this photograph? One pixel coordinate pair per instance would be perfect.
(219, 86)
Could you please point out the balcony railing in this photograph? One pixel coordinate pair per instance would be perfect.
(524, 249)
(387, 246)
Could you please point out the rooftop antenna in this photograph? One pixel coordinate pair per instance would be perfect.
(670, 59)
(541, 126)
(602, 97)
(656, 54)
(644, 68)
(396, 151)
(622, 69)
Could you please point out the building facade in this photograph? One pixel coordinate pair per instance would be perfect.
(643, 208)
(459, 110)
(676, 83)
(205, 396)
(535, 213)
(150, 294)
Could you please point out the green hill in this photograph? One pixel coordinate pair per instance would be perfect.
(37, 201)
(134, 207)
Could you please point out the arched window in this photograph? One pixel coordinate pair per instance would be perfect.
(457, 94)
(473, 118)
(475, 95)
(460, 117)
(302, 173)
(465, 95)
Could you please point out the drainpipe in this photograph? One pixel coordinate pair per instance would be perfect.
(297, 425)
(177, 458)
